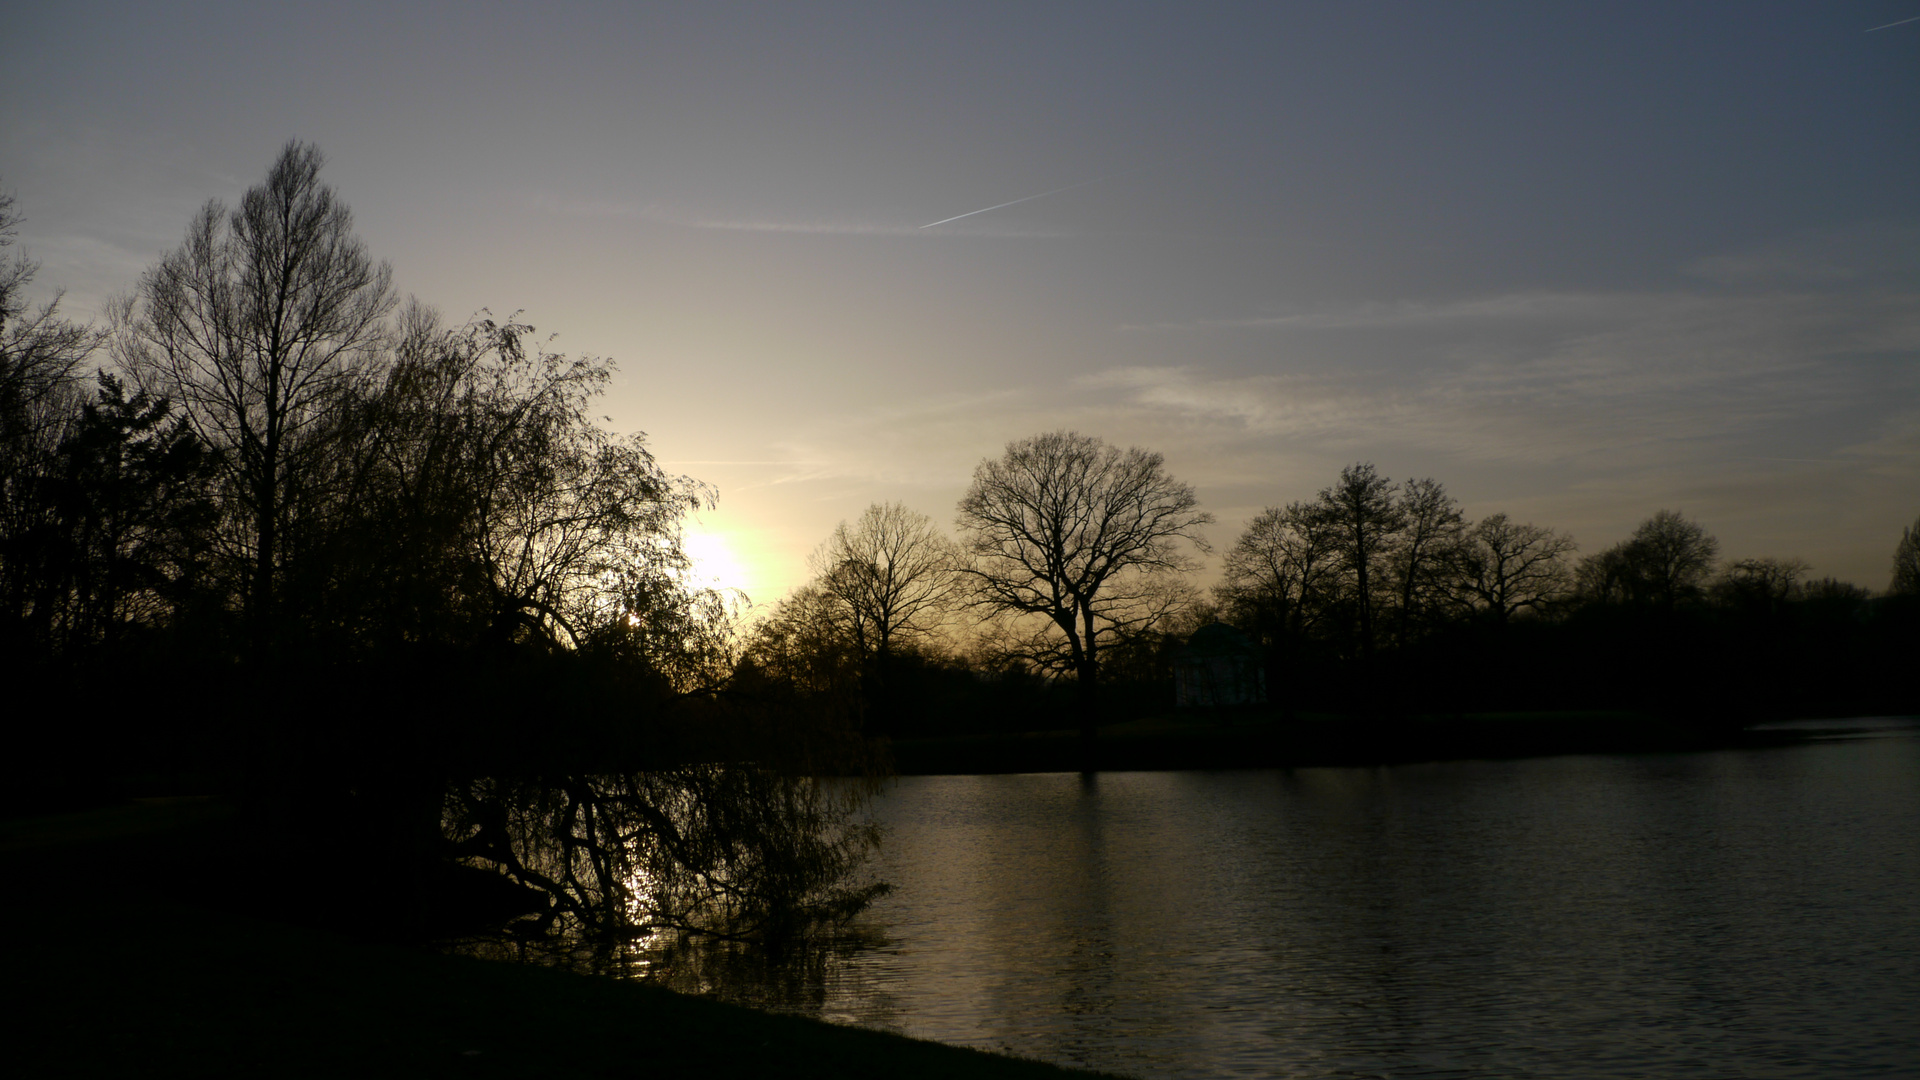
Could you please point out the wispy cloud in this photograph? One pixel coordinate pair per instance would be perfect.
(667, 215)
(1719, 364)
(1530, 306)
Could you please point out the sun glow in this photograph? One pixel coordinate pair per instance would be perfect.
(714, 563)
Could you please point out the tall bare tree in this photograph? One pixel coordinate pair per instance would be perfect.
(1364, 519)
(259, 327)
(1078, 532)
(1424, 552)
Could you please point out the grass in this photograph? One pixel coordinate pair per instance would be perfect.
(115, 976)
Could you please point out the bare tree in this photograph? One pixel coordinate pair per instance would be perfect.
(1281, 575)
(1762, 581)
(259, 327)
(1509, 567)
(892, 571)
(1364, 519)
(1666, 561)
(40, 353)
(892, 576)
(41, 400)
(1069, 528)
(1424, 551)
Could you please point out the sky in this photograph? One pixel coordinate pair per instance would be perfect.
(1579, 262)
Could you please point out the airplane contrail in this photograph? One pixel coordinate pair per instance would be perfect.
(1029, 198)
(1900, 22)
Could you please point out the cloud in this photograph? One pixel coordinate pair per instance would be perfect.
(680, 218)
(1876, 251)
(1515, 307)
(1647, 388)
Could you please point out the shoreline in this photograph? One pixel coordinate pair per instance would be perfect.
(1258, 740)
(129, 964)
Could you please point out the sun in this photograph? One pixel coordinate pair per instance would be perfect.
(714, 563)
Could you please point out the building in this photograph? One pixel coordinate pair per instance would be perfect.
(1218, 666)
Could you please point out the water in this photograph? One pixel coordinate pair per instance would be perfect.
(1752, 913)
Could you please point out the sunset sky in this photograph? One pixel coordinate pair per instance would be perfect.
(1578, 262)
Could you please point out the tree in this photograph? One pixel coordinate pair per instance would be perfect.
(1762, 582)
(1666, 561)
(892, 576)
(804, 647)
(132, 509)
(40, 353)
(1674, 556)
(1424, 552)
(1078, 532)
(1906, 562)
(261, 327)
(1281, 575)
(41, 396)
(893, 572)
(1508, 567)
(483, 508)
(1364, 518)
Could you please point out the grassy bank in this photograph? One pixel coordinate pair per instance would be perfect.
(123, 967)
(1262, 739)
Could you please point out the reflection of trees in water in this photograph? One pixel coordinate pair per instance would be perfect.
(733, 882)
(718, 852)
(817, 971)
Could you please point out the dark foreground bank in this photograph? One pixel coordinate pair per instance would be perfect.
(1260, 739)
(121, 964)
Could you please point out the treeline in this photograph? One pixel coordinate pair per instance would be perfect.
(1372, 600)
(1383, 597)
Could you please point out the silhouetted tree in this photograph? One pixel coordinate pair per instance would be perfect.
(1281, 574)
(1666, 561)
(893, 576)
(1906, 562)
(1364, 519)
(1507, 567)
(1831, 590)
(484, 444)
(134, 514)
(40, 352)
(261, 328)
(41, 394)
(1765, 582)
(805, 645)
(1424, 554)
(1281, 582)
(892, 571)
(1080, 533)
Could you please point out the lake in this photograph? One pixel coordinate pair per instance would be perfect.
(1744, 912)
